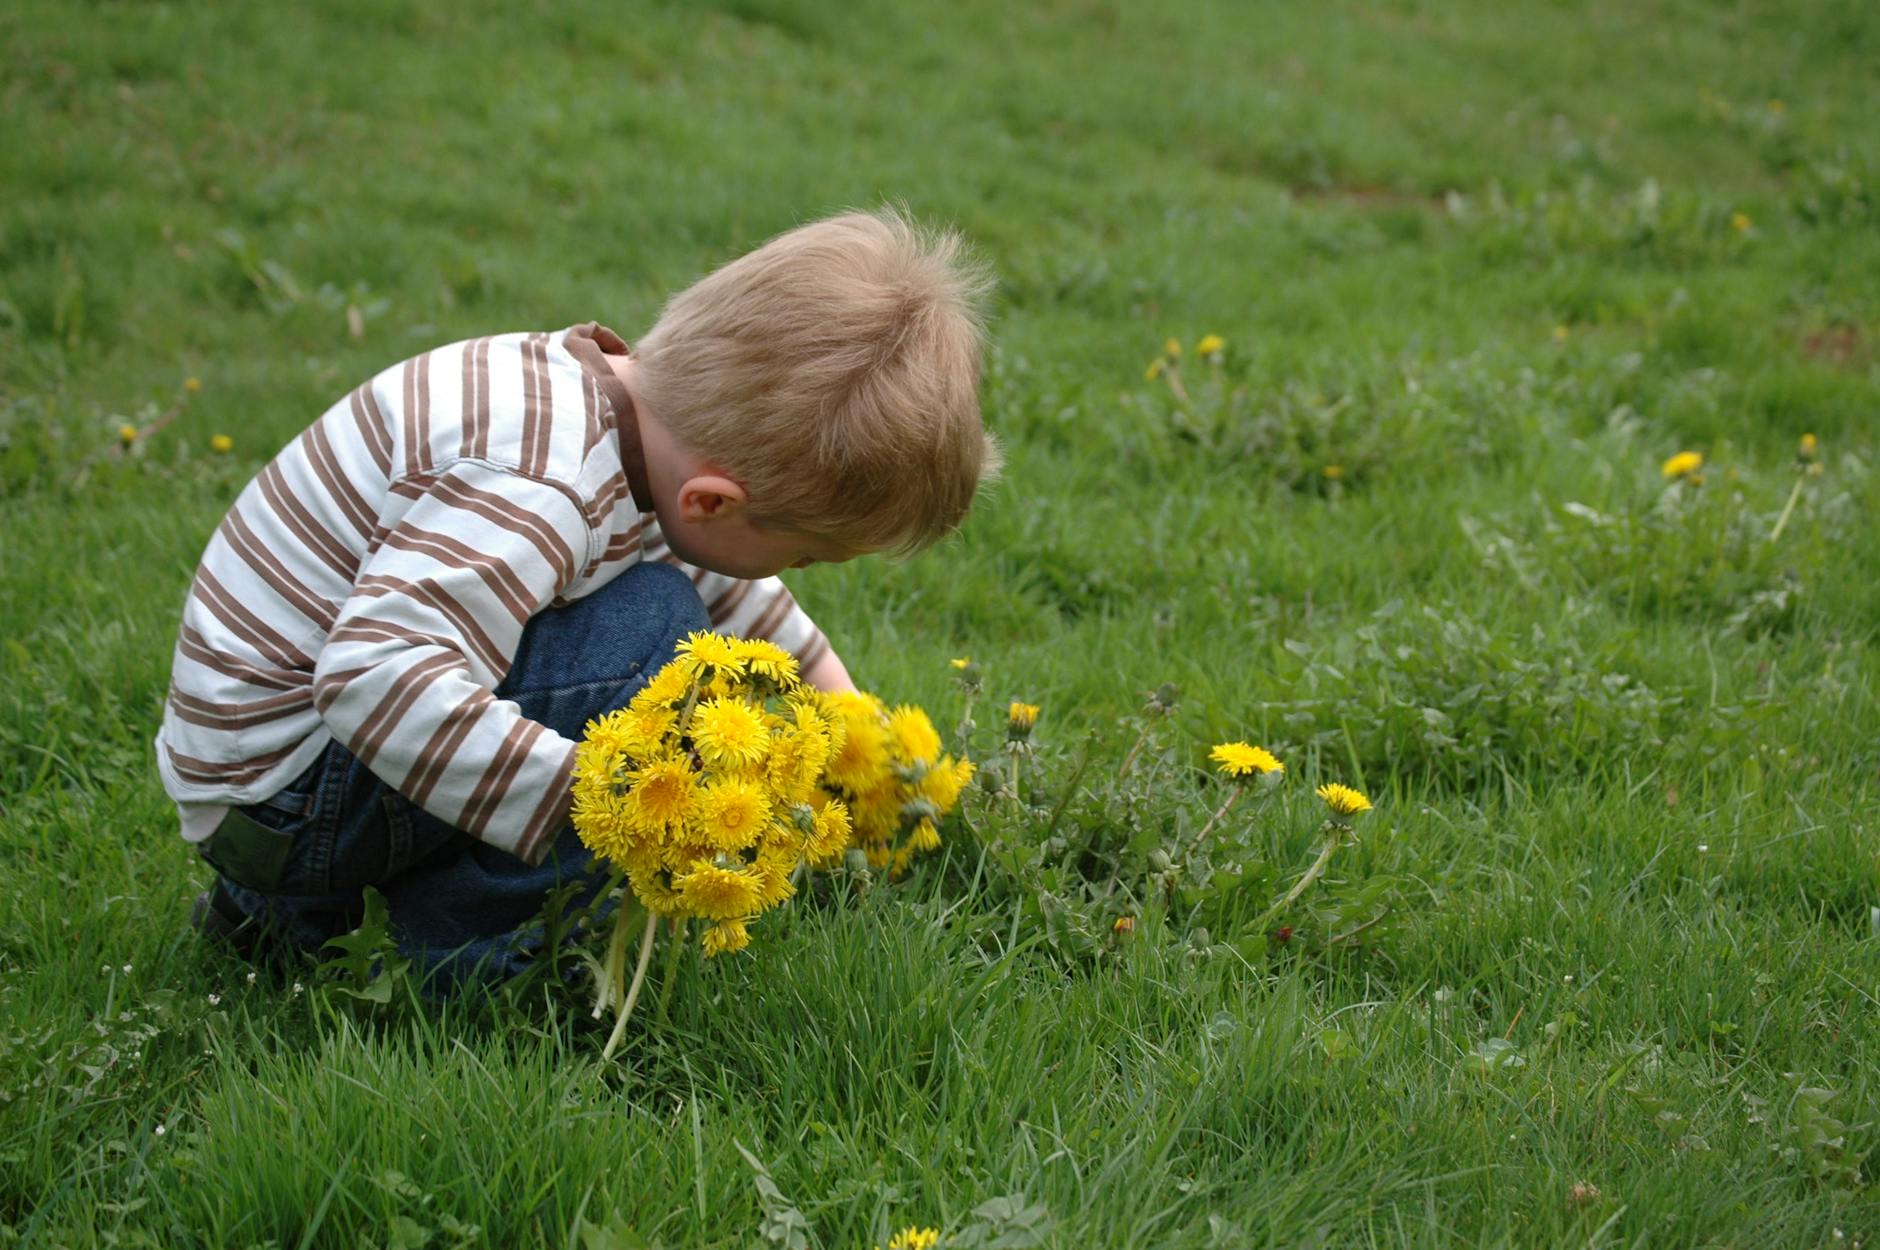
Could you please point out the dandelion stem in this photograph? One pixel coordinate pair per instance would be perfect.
(671, 972)
(1334, 837)
(1787, 508)
(1130, 759)
(615, 969)
(633, 991)
(1233, 797)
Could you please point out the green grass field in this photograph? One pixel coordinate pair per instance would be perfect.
(1604, 967)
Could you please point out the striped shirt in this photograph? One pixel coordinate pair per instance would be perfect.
(372, 583)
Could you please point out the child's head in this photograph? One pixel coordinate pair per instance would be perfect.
(834, 374)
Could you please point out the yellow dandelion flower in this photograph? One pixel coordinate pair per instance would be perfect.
(1209, 345)
(1740, 222)
(665, 691)
(913, 1238)
(773, 870)
(647, 731)
(796, 764)
(1684, 464)
(924, 838)
(1343, 800)
(1172, 349)
(127, 434)
(763, 658)
(661, 797)
(1238, 759)
(914, 734)
(720, 893)
(1021, 717)
(1124, 924)
(654, 893)
(961, 662)
(729, 733)
(1561, 334)
(1332, 472)
(731, 814)
(192, 385)
(726, 937)
(1808, 448)
(706, 649)
(861, 761)
(944, 781)
(221, 444)
(830, 836)
(1154, 369)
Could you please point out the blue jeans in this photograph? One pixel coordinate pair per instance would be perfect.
(461, 908)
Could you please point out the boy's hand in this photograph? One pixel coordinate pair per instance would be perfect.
(828, 673)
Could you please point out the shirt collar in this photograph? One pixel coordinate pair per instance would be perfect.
(591, 343)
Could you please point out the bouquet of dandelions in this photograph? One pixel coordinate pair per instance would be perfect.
(891, 778)
(705, 793)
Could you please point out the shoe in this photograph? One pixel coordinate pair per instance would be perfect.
(216, 914)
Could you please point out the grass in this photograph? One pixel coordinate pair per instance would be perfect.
(1494, 262)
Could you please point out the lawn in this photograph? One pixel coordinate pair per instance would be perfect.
(1603, 965)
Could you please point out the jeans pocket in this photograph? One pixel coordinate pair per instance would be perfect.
(250, 851)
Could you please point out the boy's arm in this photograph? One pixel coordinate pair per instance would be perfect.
(763, 607)
(405, 679)
(829, 673)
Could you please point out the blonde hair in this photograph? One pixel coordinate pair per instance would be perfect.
(834, 372)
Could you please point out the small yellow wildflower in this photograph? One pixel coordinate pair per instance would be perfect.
(1684, 464)
(1172, 349)
(1808, 448)
(1776, 106)
(965, 661)
(192, 385)
(1154, 369)
(1210, 345)
(912, 1238)
(1343, 800)
(1333, 472)
(1124, 924)
(1238, 759)
(1740, 222)
(1021, 717)
(221, 444)
(1561, 334)
(127, 434)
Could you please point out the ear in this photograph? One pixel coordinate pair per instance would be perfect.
(708, 496)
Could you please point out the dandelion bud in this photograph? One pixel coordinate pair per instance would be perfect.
(1809, 448)
(1162, 702)
(1124, 924)
(1021, 718)
(127, 434)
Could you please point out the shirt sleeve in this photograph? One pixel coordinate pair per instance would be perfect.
(758, 608)
(407, 675)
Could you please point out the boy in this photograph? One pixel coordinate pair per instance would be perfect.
(400, 629)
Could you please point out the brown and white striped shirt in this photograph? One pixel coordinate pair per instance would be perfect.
(371, 585)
